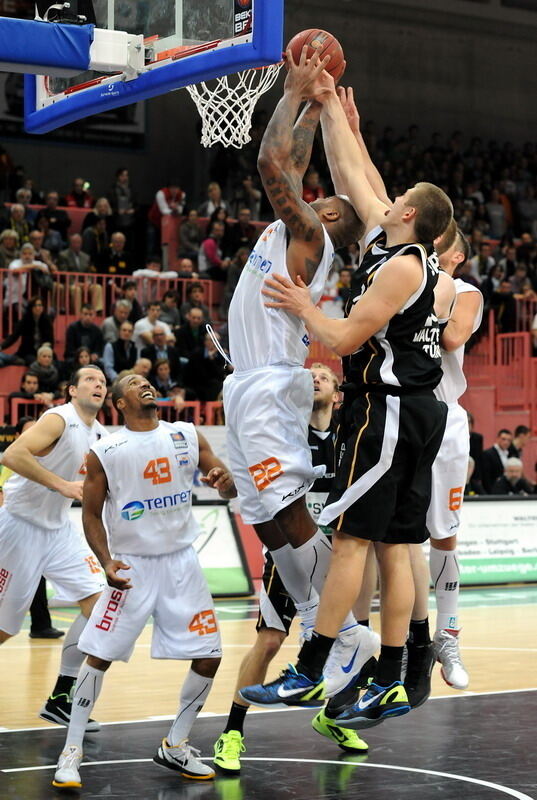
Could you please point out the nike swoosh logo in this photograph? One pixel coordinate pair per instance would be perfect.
(362, 705)
(350, 665)
(288, 692)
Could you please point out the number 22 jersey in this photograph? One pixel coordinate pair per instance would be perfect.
(150, 474)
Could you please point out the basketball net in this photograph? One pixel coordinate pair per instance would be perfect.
(226, 107)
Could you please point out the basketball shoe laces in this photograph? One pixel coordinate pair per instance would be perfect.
(449, 650)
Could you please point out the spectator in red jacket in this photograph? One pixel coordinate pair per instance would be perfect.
(169, 202)
(312, 187)
(79, 197)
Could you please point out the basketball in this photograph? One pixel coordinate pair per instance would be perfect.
(325, 43)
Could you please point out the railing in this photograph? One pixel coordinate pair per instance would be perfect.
(75, 214)
(20, 407)
(190, 411)
(513, 356)
(72, 289)
(170, 226)
(526, 311)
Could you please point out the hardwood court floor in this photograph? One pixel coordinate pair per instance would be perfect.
(499, 646)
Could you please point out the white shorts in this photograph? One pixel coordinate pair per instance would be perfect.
(267, 415)
(170, 587)
(450, 469)
(27, 552)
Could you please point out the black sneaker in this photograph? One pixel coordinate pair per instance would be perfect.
(58, 709)
(46, 633)
(342, 700)
(418, 675)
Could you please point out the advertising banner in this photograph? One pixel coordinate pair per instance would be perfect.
(497, 540)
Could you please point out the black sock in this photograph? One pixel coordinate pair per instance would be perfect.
(389, 666)
(64, 684)
(313, 655)
(418, 634)
(364, 622)
(235, 721)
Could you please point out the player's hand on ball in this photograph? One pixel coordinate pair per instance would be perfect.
(221, 480)
(113, 579)
(323, 87)
(293, 297)
(73, 490)
(301, 77)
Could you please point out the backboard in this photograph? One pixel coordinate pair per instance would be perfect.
(174, 43)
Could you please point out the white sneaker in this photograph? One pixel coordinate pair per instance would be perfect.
(183, 759)
(351, 650)
(67, 775)
(446, 650)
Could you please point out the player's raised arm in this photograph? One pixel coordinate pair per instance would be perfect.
(345, 157)
(346, 98)
(95, 491)
(215, 472)
(39, 441)
(283, 159)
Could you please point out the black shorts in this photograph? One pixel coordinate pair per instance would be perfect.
(385, 448)
(276, 609)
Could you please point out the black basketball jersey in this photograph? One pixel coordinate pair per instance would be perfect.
(322, 452)
(405, 354)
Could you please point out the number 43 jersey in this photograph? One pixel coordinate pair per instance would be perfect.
(150, 474)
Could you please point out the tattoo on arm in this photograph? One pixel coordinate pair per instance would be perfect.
(304, 136)
(301, 221)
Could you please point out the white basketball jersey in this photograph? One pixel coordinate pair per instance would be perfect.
(261, 336)
(44, 507)
(453, 383)
(148, 508)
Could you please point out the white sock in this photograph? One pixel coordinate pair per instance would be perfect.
(194, 693)
(308, 612)
(445, 576)
(293, 574)
(87, 689)
(72, 658)
(314, 556)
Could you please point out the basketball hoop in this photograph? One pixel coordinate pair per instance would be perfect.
(226, 108)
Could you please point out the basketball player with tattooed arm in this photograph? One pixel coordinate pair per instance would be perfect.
(276, 609)
(36, 535)
(391, 424)
(269, 397)
(154, 570)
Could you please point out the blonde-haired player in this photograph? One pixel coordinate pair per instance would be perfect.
(36, 535)
(143, 476)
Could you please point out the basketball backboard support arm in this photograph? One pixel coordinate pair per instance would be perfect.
(264, 47)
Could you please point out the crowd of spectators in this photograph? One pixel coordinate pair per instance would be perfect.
(498, 470)
(134, 320)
